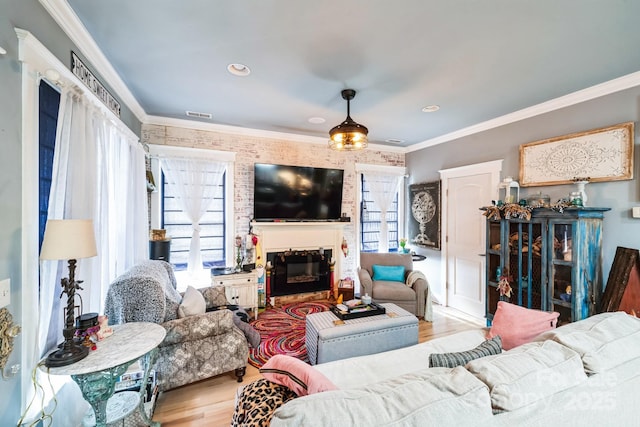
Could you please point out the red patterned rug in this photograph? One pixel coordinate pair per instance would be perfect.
(282, 331)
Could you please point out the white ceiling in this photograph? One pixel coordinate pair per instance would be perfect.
(477, 60)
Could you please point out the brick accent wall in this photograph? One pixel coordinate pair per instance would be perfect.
(250, 150)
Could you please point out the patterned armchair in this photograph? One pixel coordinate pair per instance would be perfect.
(195, 347)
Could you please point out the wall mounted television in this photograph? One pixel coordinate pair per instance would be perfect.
(296, 193)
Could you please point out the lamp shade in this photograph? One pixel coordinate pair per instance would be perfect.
(348, 135)
(68, 239)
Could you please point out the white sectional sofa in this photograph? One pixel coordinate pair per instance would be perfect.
(582, 374)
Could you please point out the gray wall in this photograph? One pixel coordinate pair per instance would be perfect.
(620, 229)
(31, 16)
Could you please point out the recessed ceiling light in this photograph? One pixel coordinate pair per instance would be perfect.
(394, 140)
(238, 69)
(430, 108)
(316, 120)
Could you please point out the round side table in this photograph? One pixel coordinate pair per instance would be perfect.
(97, 373)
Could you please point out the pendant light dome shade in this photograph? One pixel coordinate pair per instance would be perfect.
(348, 135)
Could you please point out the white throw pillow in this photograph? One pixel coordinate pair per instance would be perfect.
(604, 341)
(528, 373)
(192, 303)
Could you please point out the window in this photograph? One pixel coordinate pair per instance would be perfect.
(217, 227)
(370, 220)
(212, 229)
(48, 123)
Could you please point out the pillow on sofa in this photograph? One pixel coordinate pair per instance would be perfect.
(430, 397)
(192, 303)
(519, 325)
(299, 376)
(604, 341)
(451, 360)
(215, 296)
(390, 273)
(528, 373)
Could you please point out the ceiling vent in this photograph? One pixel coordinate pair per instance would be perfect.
(199, 115)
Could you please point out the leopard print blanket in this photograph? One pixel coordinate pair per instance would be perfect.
(257, 401)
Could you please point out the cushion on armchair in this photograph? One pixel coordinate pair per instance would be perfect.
(214, 296)
(390, 273)
(192, 303)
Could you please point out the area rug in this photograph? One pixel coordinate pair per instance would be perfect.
(282, 331)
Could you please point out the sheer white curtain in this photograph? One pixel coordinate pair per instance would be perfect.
(195, 182)
(99, 174)
(384, 188)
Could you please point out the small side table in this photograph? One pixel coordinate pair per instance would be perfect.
(97, 373)
(240, 289)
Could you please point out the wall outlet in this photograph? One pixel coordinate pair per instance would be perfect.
(5, 293)
(635, 212)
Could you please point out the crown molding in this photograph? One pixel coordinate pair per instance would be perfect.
(602, 89)
(67, 19)
(232, 130)
(249, 132)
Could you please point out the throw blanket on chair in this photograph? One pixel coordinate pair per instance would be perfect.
(411, 279)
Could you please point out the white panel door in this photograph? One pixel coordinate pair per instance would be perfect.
(467, 190)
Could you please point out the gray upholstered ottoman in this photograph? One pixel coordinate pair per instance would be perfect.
(356, 337)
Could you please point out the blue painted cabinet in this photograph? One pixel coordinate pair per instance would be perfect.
(553, 262)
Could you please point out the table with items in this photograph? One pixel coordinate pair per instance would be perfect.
(97, 373)
(329, 338)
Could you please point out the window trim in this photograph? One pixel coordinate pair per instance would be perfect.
(370, 204)
(391, 170)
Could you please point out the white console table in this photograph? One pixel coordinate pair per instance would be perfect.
(97, 373)
(240, 288)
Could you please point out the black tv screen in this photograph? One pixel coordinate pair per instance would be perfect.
(296, 193)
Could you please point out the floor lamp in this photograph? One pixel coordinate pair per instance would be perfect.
(68, 239)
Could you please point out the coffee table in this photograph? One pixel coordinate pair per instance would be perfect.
(327, 341)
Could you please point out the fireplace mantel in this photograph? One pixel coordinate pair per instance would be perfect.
(314, 224)
(283, 236)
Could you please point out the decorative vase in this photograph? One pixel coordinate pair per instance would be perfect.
(239, 260)
(581, 185)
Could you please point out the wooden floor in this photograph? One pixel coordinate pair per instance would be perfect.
(210, 402)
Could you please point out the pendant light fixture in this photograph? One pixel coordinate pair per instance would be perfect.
(348, 135)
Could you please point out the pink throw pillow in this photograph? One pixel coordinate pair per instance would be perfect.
(295, 374)
(519, 325)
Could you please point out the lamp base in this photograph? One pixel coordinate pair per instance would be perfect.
(66, 356)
